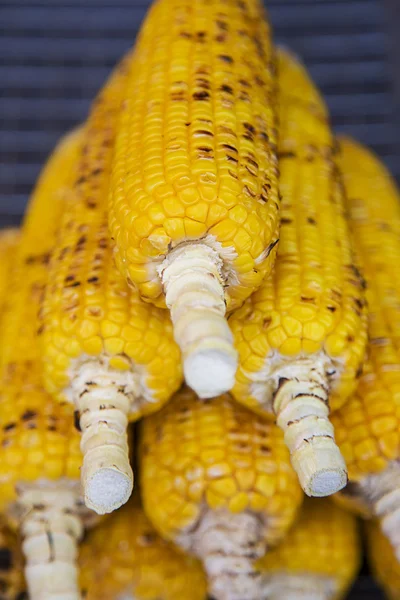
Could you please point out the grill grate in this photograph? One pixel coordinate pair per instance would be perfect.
(56, 54)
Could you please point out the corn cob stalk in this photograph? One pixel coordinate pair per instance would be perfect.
(40, 457)
(125, 558)
(216, 480)
(318, 560)
(12, 585)
(106, 351)
(194, 203)
(301, 337)
(382, 560)
(8, 245)
(367, 428)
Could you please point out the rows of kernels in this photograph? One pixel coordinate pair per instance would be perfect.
(214, 454)
(38, 438)
(195, 153)
(314, 301)
(125, 554)
(383, 561)
(12, 584)
(367, 429)
(324, 542)
(8, 245)
(88, 309)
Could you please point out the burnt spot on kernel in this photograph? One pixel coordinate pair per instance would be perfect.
(9, 426)
(226, 59)
(28, 415)
(201, 96)
(311, 221)
(5, 559)
(226, 88)
(77, 420)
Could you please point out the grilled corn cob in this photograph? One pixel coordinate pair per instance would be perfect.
(368, 427)
(318, 560)
(301, 337)
(194, 203)
(8, 245)
(105, 350)
(39, 447)
(383, 561)
(216, 479)
(12, 585)
(125, 558)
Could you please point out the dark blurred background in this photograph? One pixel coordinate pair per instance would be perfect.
(55, 54)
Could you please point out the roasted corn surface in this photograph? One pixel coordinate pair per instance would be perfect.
(194, 201)
(12, 584)
(216, 479)
(125, 557)
(367, 428)
(8, 245)
(106, 351)
(39, 446)
(301, 336)
(319, 559)
(382, 561)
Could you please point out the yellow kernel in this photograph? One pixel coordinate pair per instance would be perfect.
(302, 313)
(238, 503)
(93, 346)
(194, 229)
(292, 326)
(109, 329)
(198, 212)
(114, 345)
(213, 500)
(311, 347)
(314, 331)
(257, 502)
(224, 487)
(265, 484)
(276, 337)
(291, 347)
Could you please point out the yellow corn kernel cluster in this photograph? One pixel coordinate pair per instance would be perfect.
(313, 305)
(8, 245)
(382, 560)
(214, 455)
(12, 585)
(88, 310)
(195, 152)
(37, 437)
(367, 428)
(321, 550)
(125, 555)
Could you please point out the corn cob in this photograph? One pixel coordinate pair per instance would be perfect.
(216, 479)
(8, 245)
(124, 557)
(382, 560)
(39, 446)
(368, 431)
(301, 337)
(105, 350)
(12, 585)
(193, 201)
(318, 560)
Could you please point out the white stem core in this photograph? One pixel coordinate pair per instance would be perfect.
(383, 491)
(229, 544)
(301, 407)
(51, 530)
(284, 586)
(194, 292)
(104, 402)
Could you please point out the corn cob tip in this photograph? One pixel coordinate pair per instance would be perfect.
(107, 490)
(382, 491)
(104, 398)
(51, 528)
(320, 467)
(301, 407)
(194, 288)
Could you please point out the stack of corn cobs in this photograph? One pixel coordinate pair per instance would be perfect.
(201, 257)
